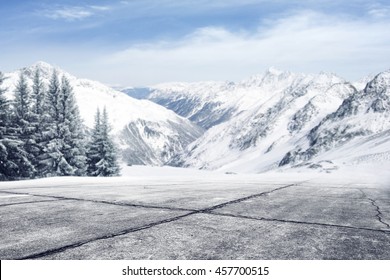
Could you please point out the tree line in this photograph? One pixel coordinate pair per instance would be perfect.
(42, 135)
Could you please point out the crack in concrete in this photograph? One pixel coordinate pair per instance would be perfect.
(150, 225)
(295, 222)
(379, 214)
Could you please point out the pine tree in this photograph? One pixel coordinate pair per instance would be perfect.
(38, 117)
(52, 105)
(51, 156)
(4, 108)
(71, 130)
(102, 157)
(38, 96)
(4, 113)
(23, 127)
(65, 152)
(93, 148)
(22, 102)
(52, 162)
(14, 160)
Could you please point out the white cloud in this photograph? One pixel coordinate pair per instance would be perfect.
(72, 13)
(379, 11)
(100, 8)
(306, 41)
(69, 13)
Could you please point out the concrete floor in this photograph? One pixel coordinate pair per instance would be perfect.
(194, 220)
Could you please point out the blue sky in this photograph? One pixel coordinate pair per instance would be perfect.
(144, 42)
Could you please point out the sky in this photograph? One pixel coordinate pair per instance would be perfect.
(145, 42)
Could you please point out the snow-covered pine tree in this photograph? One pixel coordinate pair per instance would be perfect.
(14, 162)
(50, 159)
(38, 96)
(102, 154)
(4, 113)
(93, 147)
(22, 102)
(23, 124)
(64, 149)
(4, 108)
(71, 130)
(38, 117)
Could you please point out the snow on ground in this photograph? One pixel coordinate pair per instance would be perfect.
(365, 174)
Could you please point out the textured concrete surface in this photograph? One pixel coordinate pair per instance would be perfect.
(194, 220)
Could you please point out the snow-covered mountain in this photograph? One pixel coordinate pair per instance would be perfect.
(362, 118)
(205, 103)
(211, 103)
(297, 120)
(145, 132)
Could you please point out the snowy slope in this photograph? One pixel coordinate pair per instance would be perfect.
(146, 132)
(287, 108)
(357, 130)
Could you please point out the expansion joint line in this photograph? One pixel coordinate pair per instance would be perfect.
(125, 204)
(218, 206)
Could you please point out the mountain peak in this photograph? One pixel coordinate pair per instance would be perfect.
(380, 83)
(274, 71)
(270, 76)
(42, 64)
(45, 69)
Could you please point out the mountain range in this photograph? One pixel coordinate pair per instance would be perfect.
(277, 120)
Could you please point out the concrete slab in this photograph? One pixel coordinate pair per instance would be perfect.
(310, 209)
(27, 229)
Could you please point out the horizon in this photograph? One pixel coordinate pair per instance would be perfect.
(263, 72)
(143, 43)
